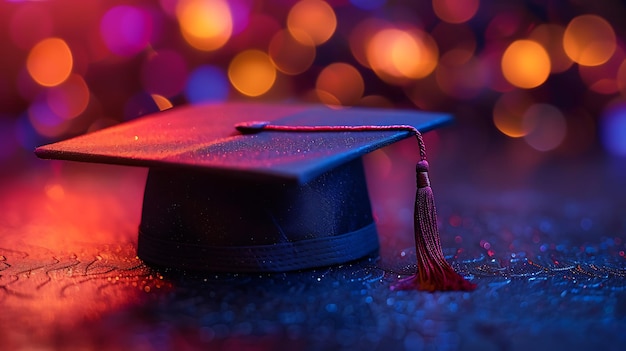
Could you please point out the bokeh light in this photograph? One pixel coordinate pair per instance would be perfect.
(526, 64)
(312, 20)
(339, 84)
(613, 129)
(396, 54)
(544, 127)
(252, 73)
(44, 120)
(508, 113)
(162, 102)
(205, 24)
(126, 30)
(50, 62)
(289, 55)
(70, 98)
(207, 84)
(589, 40)
(455, 11)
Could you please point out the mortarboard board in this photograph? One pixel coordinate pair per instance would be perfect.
(227, 193)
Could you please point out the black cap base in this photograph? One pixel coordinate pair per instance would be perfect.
(202, 221)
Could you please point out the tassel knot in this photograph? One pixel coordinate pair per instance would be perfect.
(422, 174)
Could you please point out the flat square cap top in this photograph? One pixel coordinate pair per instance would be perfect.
(204, 137)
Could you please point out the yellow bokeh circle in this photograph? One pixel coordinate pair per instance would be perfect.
(589, 40)
(252, 73)
(526, 64)
(50, 62)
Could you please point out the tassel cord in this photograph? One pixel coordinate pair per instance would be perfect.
(258, 126)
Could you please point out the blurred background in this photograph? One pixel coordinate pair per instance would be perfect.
(538, 89)
(547, 78)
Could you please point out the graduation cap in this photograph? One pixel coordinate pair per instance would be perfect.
(265, 188)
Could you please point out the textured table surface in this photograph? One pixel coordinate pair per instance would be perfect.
(543, 239)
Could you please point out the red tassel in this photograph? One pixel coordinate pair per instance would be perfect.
(434, 273)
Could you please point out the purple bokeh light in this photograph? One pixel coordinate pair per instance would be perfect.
(613, 129)
(126, 30)
(207, 83)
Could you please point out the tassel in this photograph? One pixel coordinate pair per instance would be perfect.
(434, 273)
